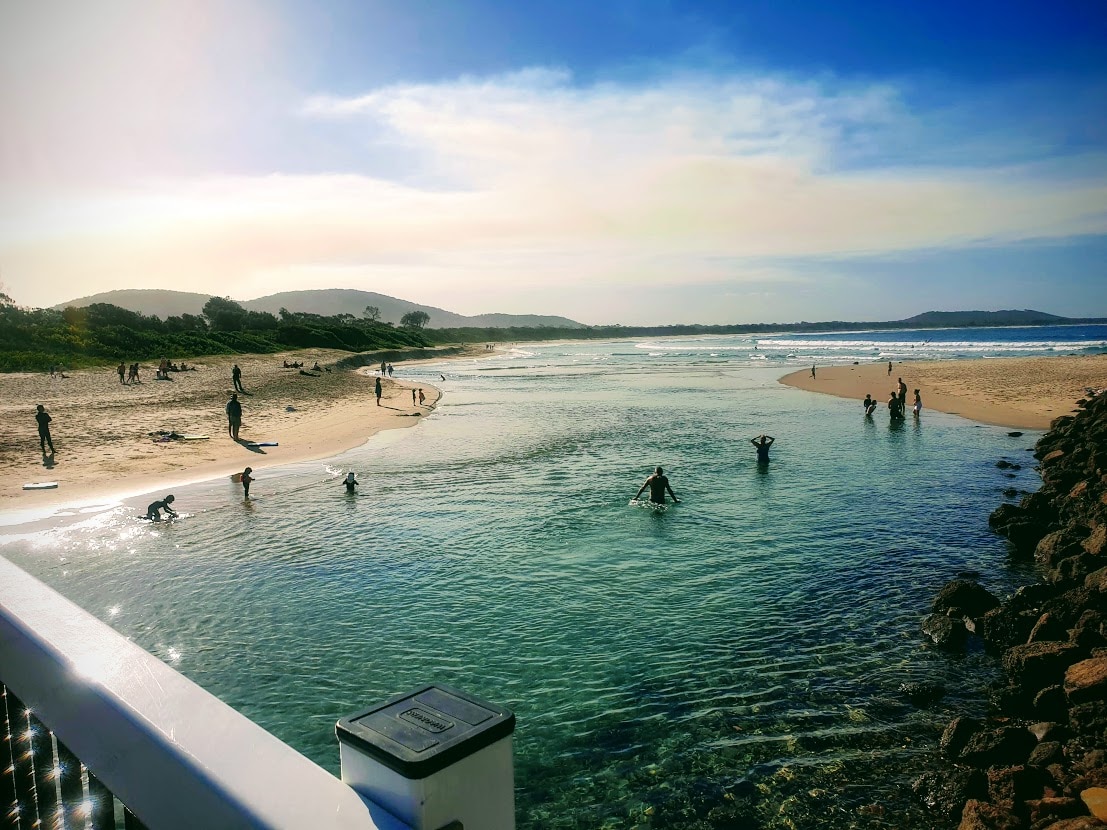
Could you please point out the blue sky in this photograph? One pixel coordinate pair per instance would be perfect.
(631, 162)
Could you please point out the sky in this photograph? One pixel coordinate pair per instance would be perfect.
(643, 163)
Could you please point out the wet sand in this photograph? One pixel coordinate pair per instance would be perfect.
(1022, 392)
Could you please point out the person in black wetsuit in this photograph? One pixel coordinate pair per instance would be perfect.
(658, 485)
(763, 442)
(351, 483)
(153, 512)
(43, 418)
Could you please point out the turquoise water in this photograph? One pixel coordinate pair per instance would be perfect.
(734, 661)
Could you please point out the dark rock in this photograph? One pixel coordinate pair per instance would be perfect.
(1096, 581)
(956, 734)
(1042, 811)
(923, 693)
(980, 815)
(1096, 542)
(1079, 823)
(1037, 665)
(1046, 753)
(946, 633)
(1010, 492)
(1002, 746)
(963, 597)
(1090, 631)
(1005, 626)
(1014, 434)
(946, 792)
(1051, 703)
(1046, 730)
(1058, 545)
(1008, 786)
(1004, 464)
(1088, 718)
(1048, 627)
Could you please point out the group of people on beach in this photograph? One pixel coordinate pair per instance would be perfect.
(897, 402)
(130, 371)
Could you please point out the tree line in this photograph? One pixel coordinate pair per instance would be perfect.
(33, 339)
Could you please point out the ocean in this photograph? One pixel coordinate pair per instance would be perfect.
(733, 661)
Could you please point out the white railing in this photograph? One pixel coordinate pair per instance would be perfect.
(175, 755)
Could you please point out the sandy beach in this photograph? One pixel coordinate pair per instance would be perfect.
(1024, 392)
(103, 431)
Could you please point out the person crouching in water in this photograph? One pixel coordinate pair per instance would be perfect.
(153, 512)
(351, 483)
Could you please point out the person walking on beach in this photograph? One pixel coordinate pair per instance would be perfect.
(889, 368)
(918, 407)
(236, 376)
(44, 419)
(812, 370)
(422, 398)
(413, 397)
(234, 416)
(763, 442)
(122, 370)
(658, 485)
(351, 482)
(153, 512)
(390, 370)
(246, 479)
(377, 390)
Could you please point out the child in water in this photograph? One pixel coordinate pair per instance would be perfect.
(246, 479)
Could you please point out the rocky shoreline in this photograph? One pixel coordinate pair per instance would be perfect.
(1039, 760)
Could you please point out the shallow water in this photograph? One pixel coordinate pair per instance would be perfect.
(732, 661)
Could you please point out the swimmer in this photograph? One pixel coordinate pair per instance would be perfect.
(658, 484)
(351, 482)
(763, 442)
(153, 512)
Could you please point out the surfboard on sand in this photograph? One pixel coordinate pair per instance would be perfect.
(41, 485)
(262, 444)
(195, 437)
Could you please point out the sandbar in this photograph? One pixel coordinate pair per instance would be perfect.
(1018, 392)
(102, 430)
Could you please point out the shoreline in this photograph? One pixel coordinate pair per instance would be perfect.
(107, 427)
(1016, 392)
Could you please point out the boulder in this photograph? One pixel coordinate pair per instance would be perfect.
(1095, 799)
(1046, 753)
(957, 734)
(1078, 823)
(945, 632)
(1009, 786)
(1001, 746)
(1058, 545)
(1043, 810)
(1087, 680)
(1050, 703)
(1096, 581)
(1088, 718)
(1096, 542)
(980, 815)
(1048, 627)
(924, 692)
(963, 597)
(1037, 665)
(946, 792)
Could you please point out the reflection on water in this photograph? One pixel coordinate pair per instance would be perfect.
(733, 661)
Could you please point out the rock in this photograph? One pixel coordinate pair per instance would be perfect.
(923, 693)
(1004, 464)
(980, 815)
(1089, 632)
(1095, 798)
(1096, 542)
(1046, 731)
(1088, 718)
(946, 633)
(1014, 434)
(1037, 665)
(1079, 823)
(957, 734)
(1055, 546)
(1051, 703)
(1002, 746)
(963, 597)
(946, 792)
(1097, 581)
(1005, 626)
(1087, 680)
(1008, 786)
(1046, 753)
(1042, 810)
(1048, 628)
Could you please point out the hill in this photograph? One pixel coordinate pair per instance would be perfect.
(326, 302)
(959, 319)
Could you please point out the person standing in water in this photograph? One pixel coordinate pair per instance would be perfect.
(153, 512)
(918, 406)
(351, 483)
(763, 442)
(246, 479)
(868, 404)
(658, 485)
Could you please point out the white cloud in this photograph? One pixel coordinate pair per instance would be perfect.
(532, 181)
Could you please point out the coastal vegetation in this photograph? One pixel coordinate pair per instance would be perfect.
(33, 339)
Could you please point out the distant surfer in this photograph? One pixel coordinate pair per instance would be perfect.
(153, 512)
(763, 442)
(44, 419)
(351, 483)
(658, 485)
